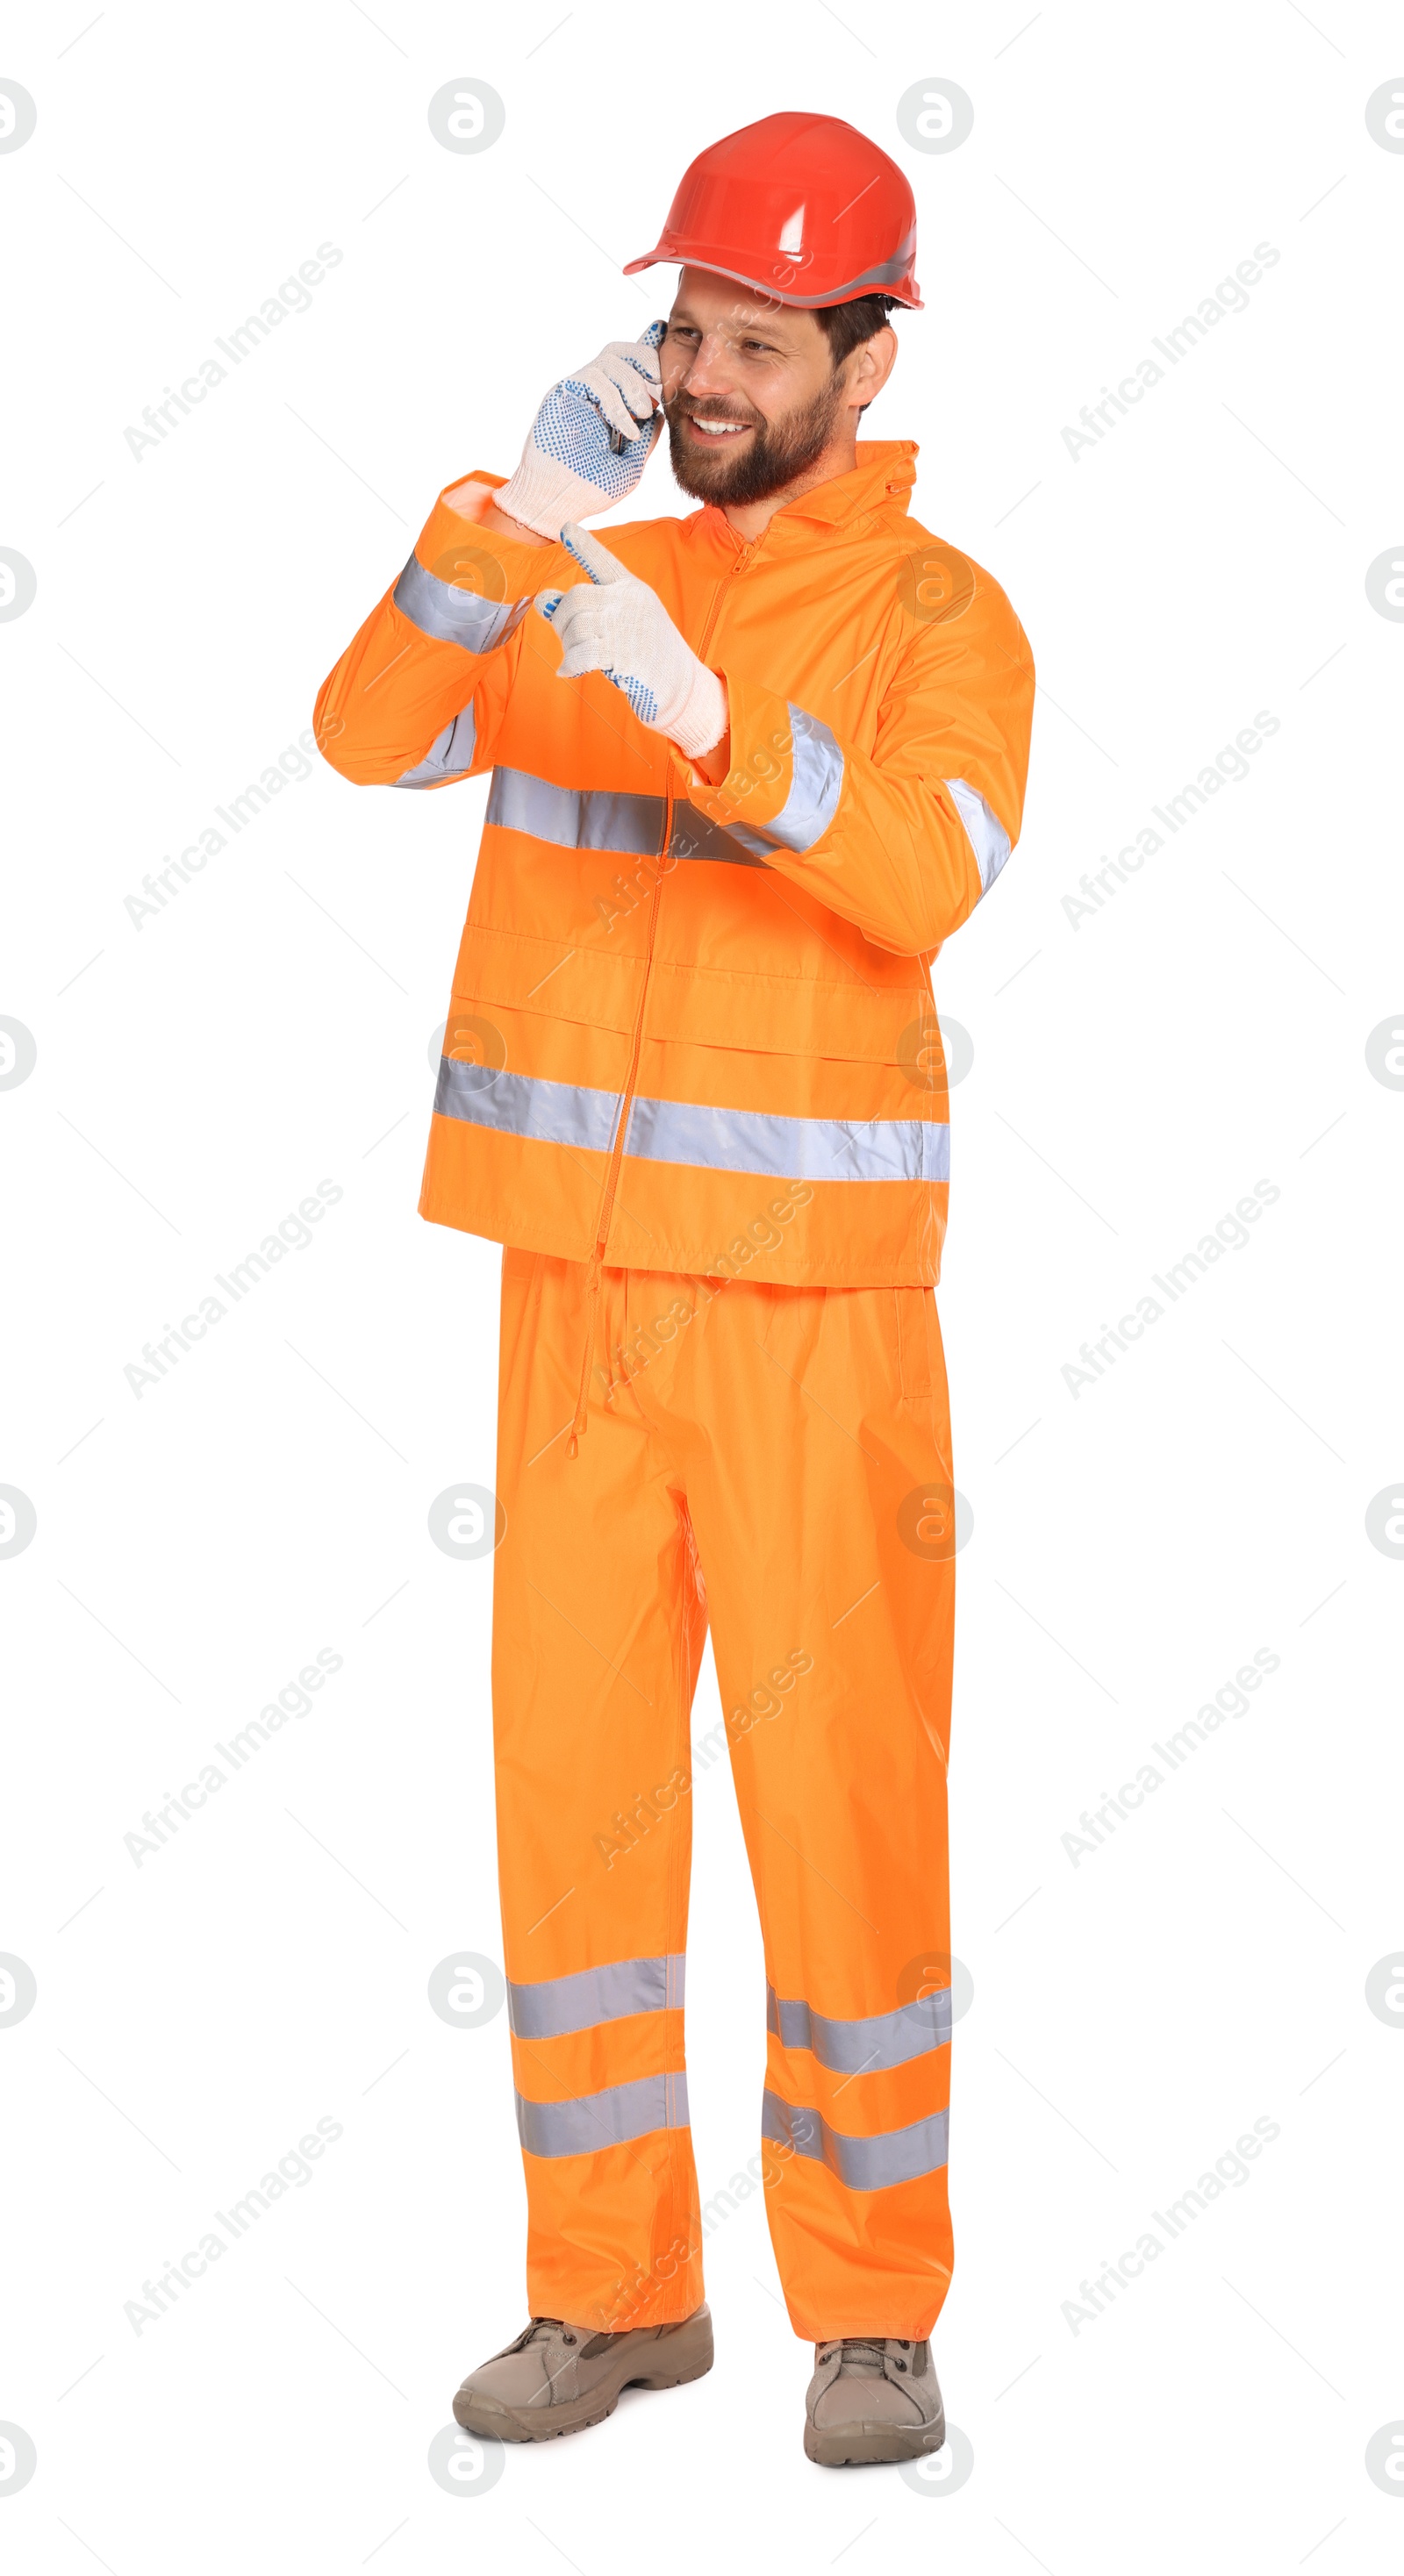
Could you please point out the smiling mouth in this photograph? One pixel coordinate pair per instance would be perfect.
(717, 430)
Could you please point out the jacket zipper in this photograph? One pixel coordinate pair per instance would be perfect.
(744, 559)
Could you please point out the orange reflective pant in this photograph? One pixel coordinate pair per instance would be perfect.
(776, 1461)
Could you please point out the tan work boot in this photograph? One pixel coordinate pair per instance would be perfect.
(872, 2399)
(558, 2378)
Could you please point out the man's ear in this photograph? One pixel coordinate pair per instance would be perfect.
(870, 366)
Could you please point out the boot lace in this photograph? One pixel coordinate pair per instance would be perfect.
(859, 2352)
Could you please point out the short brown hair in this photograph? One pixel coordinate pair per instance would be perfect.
(847, 326)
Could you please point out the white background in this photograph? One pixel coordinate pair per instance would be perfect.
(1133, 1077)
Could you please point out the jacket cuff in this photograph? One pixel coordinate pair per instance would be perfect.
(452, 528)
(465, 584)
(781, 792)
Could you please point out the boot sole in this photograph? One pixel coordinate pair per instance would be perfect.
(868, 2445)
(684, 2355)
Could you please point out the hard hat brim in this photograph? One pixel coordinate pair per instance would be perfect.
(890, 277)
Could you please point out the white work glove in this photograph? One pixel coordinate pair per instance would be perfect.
(614, 623)
(591, 439)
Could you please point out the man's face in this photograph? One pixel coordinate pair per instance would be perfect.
(750, 393)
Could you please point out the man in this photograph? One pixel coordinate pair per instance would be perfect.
(750, 768)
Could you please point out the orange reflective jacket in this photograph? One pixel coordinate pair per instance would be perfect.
(691, 1026)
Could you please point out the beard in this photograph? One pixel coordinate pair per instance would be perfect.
(777, 453)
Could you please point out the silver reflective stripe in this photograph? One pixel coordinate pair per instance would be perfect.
(450, 755)
(861, 2164)
(888, 272)
(607, 818)
(795, 1149)
(695, 837)
(522, 1104)
(609, 2119)
(854, 2047)
(455, 616)
(816, 784)
(576, 818)
(561, 2004)
(679, 1131)
(987, 835)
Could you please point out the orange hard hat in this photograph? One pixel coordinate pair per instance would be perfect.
(802, 208)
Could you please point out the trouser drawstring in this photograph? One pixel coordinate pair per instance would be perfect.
(592, 1300)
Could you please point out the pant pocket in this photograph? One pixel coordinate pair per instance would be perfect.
(917, 1348)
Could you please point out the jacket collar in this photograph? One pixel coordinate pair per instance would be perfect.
(881, 480)
(883, 475)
